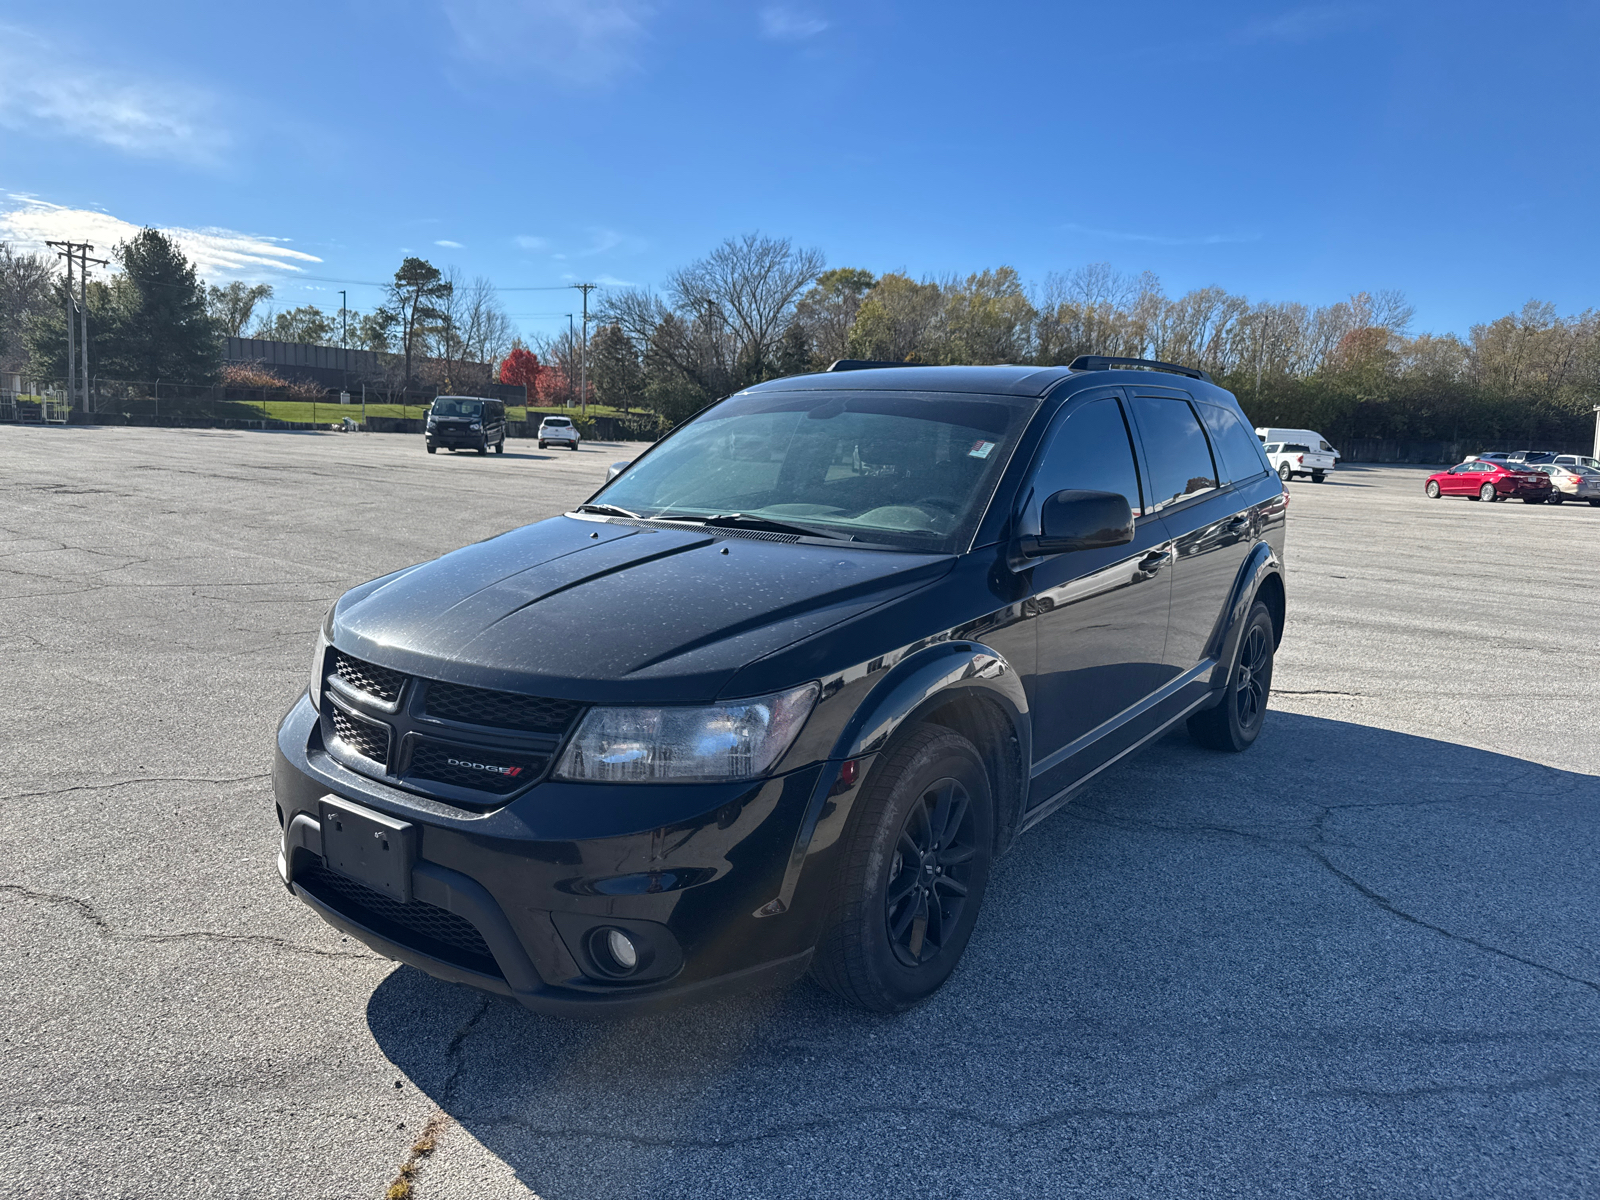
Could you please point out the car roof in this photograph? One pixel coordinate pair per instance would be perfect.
(1004, 380)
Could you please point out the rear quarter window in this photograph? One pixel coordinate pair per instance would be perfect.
(1239, 452)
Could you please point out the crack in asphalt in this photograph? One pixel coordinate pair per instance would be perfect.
(1202, 1098)
(1311, 847)
(88, 912)
(454, 1052)
(118, 783)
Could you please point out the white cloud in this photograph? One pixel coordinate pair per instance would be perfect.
(572, 41)
(528, 242)
(48, 93)
(27, 223)
(449, 245)
(789, 25)
(1209, 239)
(612, 281)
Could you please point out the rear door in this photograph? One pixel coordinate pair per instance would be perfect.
(1208, 519)
(1100, 615)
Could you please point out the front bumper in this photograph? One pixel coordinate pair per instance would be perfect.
(508, 898)
(456, 441)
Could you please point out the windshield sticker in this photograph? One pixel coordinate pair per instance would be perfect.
(980, 450)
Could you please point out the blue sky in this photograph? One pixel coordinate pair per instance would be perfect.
(1286, 152)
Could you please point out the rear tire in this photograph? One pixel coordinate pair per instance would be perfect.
(1284, 473)
(1556, 498)
(1318, 476)
(500, 446)
(1534, 499)
(541, 445)
(1234, 724)
(1432, 489)
(1487, 493)
(915, 864)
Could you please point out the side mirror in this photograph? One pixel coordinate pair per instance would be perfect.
(616, 469)
(1074, 520)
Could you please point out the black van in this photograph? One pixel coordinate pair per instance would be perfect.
(466, 423)
(779, 693)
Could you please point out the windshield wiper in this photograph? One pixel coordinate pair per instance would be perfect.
(607, 510)
(767, 524)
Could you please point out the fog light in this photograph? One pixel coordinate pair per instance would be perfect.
(622, 950)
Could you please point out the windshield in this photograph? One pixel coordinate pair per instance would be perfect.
(896, 468)
(456, 408)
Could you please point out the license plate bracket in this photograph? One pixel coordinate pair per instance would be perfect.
(369, 847)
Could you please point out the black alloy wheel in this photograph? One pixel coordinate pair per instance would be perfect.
(931, 872)
(914, 863)
(1487, 493)
(1432, 489)
(1556, 497)
(1235, 722)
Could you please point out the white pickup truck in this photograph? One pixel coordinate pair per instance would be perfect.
(1289, 459)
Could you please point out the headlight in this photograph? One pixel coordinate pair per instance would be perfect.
(432, 423)
(318, 655)
(741, 740)
(475, 427)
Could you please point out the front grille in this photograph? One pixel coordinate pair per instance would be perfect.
(365, 738)
(504, 710)
(378, 682)
(446, 764)
(426, 927)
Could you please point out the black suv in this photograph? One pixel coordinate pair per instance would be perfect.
(466, 423)
(779, 693)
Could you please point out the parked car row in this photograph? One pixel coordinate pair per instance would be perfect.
(1532, 476)
(474, 423)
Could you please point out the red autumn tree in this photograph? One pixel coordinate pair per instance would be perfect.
(521, 369)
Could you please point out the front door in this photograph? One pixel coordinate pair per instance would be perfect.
(1100, 615)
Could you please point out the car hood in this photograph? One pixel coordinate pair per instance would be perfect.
(609, 612)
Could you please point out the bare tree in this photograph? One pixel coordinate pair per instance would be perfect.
(744, 293)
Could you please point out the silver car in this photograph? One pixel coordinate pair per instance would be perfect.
(1570, 482)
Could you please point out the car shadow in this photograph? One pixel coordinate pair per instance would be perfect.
(1326, 965)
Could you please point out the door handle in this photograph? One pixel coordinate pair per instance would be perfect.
(1152, 562)
(1238, 523)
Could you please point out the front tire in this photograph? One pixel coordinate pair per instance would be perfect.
(433, 449)
(1234, 724)
(915, 864)
(1432, 489)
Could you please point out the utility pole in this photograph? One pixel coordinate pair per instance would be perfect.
(71, 251)
(583, 348)
(1596, 431)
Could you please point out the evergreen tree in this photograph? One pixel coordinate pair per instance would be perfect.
(163, 330)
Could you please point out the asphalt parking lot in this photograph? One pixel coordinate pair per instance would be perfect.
(1361, 960)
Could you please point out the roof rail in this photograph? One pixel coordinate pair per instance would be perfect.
(868, 364)
(1099, 362)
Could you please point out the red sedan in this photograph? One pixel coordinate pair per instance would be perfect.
(1479, 480)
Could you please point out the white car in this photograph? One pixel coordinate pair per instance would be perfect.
(1576, 460)
(1569, 482)
(558, 429)
(1289, 459)
(1310, 437)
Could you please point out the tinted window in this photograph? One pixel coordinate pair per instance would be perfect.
(1295, 448)
(1176, 449)
(1090, 451)
(1238, 452)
